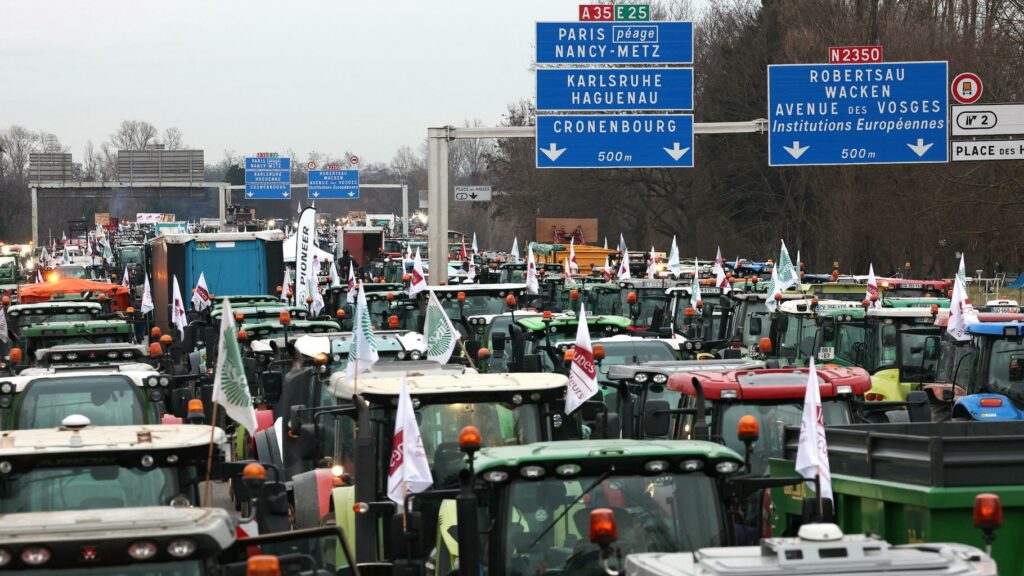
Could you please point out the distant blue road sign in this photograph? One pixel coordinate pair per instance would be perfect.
(615, 89)
(858, 113)
(615, 141)
(267, 163)
(614, 43)
(333, 184)
(268, 178)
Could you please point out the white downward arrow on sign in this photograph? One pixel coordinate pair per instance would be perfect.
(796, 151)
(552, 151)
(675, 151)
(920, 148)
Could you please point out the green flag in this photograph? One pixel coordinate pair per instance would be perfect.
(785, 271)
(230, 388)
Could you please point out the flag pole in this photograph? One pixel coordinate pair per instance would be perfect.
(209, 455)
(466, 354)
(817, 493)
(405, 505)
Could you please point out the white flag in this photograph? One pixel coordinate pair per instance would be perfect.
(362, 352)
(605, 242)
(673, 258)
(286, 286)
(582, 383)
(439, 332)
(318, 299)
(796, 269)
(230, 388)
(774, 287)
(624, 267)
(872, 295)
(812, 452)
(961, 271)
(335, 281)
(66, 258)
(515, 249)
(4, 336)
(695, 295)
(471, 273)
(622, 243)
(147, 297)
(201, 295)
(961, 312)
(124, 279)
(350, 295)
(178, 317)
(574, 268)
(418, 281)
(305, 256)
(532, 285)
(476, 250)
(409, 471)
(652, 269)
(567, 275)
(721, 280)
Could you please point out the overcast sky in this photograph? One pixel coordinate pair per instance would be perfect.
(326, 75)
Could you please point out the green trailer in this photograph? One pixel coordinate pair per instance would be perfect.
(914, 483)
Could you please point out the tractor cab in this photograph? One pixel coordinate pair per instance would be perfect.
(539, 502)
(464, 301)
(775, 397)
(647, 302)
(890, 343)
(356, 434)
(628, 387)
(794, 334)
(992, 373)
(751, 319)
(708, 321)
(79, 466)
(904, 288)
(108, 395)
(539, 343)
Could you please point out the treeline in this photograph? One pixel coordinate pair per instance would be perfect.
(888, 215)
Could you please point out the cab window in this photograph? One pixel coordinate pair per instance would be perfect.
(105, 400)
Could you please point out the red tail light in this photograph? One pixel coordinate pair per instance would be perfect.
(991, 402)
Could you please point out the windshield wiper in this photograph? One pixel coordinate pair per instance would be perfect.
(565, 511)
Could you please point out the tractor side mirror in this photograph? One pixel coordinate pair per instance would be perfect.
(498, 341)
(657, 420)
(918, 406)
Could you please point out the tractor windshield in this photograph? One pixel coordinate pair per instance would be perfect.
(663, 513)
(773, 418)
(1006, 369)
(499, 425)
(475, 305)
(105, 400)
(74, 487)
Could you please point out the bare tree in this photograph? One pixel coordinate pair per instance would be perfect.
(133, 135)
(173, 139)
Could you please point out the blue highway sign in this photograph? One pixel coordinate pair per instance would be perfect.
(614, 43)
(858, 113)
(615, 89)
(333, 184)
(615, 141)
(268, 178)
(267, 163)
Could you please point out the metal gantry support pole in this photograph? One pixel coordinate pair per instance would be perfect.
(437, 174)
(405, 210)
(35, 216)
